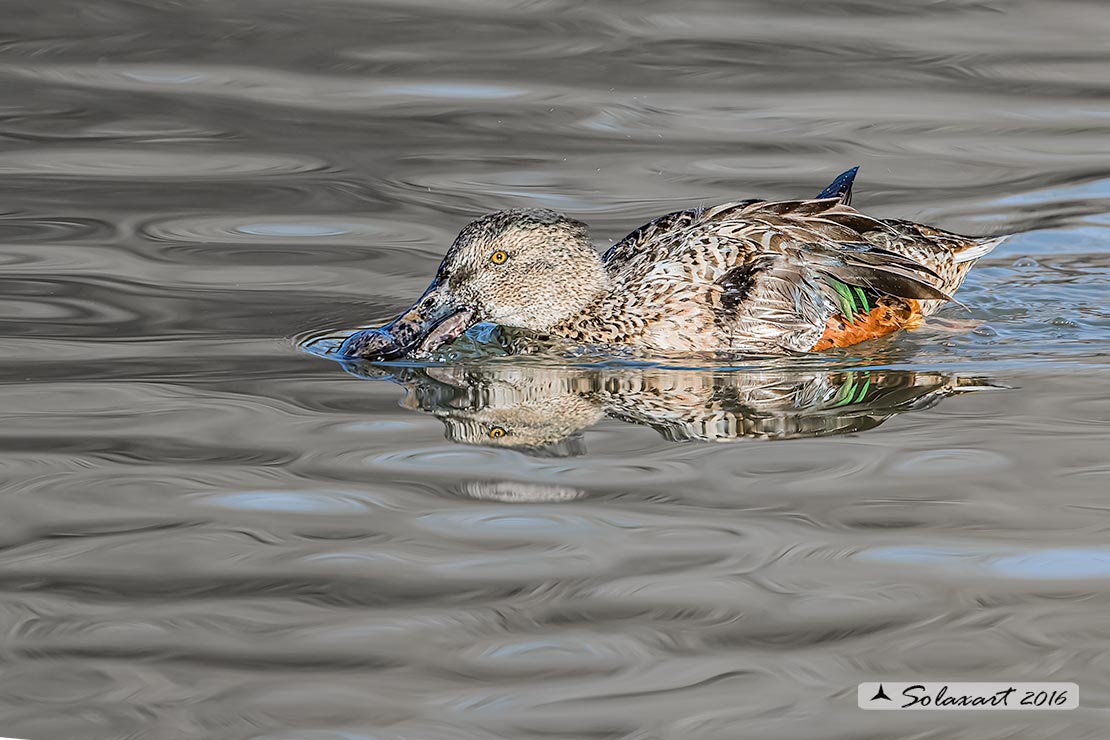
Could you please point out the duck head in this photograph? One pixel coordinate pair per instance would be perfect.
(525, 268)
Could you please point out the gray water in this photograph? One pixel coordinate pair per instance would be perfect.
(208, 531)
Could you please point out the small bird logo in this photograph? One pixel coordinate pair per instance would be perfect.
(880, 694)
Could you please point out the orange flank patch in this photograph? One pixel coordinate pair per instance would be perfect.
(883, 320)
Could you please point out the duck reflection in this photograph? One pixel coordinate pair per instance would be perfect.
(544, 410)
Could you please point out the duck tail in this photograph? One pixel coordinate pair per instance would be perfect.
(976, 248)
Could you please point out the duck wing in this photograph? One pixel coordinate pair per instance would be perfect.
(798, 264)
(786, 299)
(770, 275)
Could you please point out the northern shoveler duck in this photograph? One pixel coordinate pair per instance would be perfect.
(750, 276)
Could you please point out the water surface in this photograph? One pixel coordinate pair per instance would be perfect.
(207, 532)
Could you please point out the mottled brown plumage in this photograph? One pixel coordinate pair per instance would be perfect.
(751, 276)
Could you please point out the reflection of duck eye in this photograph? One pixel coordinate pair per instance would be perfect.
(499, 257)
(497, 432)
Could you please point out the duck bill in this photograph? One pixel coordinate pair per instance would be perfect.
(435, 319)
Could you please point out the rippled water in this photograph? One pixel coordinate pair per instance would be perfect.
(208, 532)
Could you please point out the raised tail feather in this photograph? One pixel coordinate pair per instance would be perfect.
(841, 187)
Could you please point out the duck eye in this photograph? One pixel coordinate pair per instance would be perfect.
(497, 432)
(499, 257)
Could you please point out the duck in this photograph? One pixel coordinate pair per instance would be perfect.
(751, 276)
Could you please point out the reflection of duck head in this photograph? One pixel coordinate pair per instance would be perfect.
(506, 407)
(543, 409)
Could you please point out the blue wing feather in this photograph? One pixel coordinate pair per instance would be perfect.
(841, 187)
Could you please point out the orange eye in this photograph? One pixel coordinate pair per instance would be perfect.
(497, 432)
(499, 258)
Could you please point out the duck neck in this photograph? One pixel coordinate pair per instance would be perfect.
(595, 322)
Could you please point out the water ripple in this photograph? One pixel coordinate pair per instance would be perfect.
(321, 232)
(1052, 564)
(29, 229)
(150, 164)
(265, 86)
